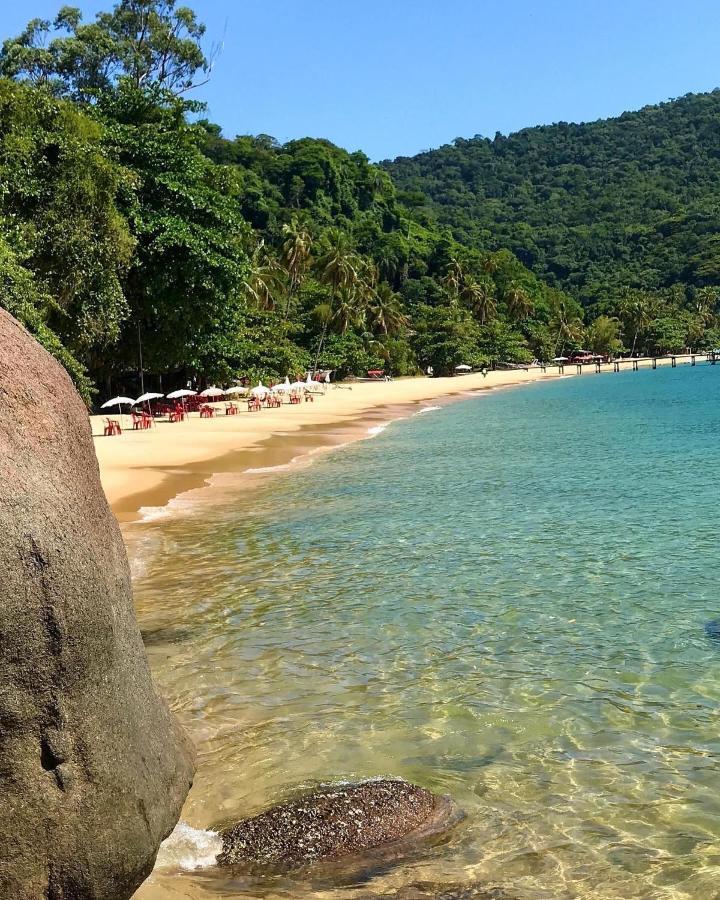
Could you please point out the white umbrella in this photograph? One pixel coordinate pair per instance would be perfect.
(181, 395)
(212, 392)
(183, 392)
(283, 388)
(463, 367)
(560, 359)
(238, 389)
(118, 401)
(312, 384)
(298, 386)
(144, 398)
(260, 390)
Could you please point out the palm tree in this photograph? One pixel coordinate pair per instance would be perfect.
(569, 329)
(454, 279)
(479, 297)
(386, 313)
(636, 312)
(296, 254)
(705, 302)
(338, 267)
(350, 308)
(266, 280)
(519, 303)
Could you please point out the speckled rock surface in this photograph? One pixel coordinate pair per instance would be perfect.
(93, 767)
(332, 824)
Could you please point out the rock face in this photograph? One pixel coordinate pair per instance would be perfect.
(335, 823)
(93, 767)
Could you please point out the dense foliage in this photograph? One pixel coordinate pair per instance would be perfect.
(606, 210)
(129, 227)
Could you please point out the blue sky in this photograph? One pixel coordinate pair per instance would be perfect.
(394, 77)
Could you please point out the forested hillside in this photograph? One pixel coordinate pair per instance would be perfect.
(129, 224)
(593, 208)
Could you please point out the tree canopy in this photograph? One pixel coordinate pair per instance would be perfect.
(129, 226)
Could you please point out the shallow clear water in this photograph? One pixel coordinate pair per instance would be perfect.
(504, 600)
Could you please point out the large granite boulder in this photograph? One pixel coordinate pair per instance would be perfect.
(93, 766)
(337, 823)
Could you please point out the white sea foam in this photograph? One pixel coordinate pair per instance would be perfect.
(378, 429)
(189, 848)
(427, 409)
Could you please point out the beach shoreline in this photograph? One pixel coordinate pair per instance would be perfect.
(150, 468)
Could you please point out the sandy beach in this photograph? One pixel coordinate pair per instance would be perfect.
(150, 467)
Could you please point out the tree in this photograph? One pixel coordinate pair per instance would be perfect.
(152, 43)
(265, 283)
(60, 222)
(454, 279)
(385, 311)
(603, 336)
(519, 303)
(479, 297)
(338, 267)
(296, 254)
(185, 285)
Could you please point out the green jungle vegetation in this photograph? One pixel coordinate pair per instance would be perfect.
(127, 220)
(623, 213)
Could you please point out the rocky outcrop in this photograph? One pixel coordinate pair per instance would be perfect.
(336, 823)
(93, 767)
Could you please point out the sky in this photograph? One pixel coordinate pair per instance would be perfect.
(395, 77)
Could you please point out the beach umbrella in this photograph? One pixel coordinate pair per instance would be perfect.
(181, 395)
(463, 367)
(260, 390)
(212, 392)
(560, 359)
(146, 398)
(119, 402)
(150, 395)
(312, 384)
(238, 389)
(283, 388)
(183, 392)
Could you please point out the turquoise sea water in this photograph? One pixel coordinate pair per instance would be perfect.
(504, 600)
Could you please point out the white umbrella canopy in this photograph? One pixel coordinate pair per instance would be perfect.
(183, 392)
(298, 386)
(212, 392)
(260, 390)
(145, 398)
(118, 401)
(560, 359)
(283, 388)
(310, 383)
(463, 367)
(238, 389)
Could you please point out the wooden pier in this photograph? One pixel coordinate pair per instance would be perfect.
(634, 364)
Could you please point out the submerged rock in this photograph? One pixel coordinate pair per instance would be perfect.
(712, 629)
(336, 823)
(93, 766)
